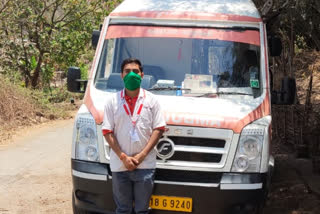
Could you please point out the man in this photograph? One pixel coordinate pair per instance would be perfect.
(132, 125)
(245, 69)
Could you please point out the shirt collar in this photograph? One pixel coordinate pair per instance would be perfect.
(142, 93)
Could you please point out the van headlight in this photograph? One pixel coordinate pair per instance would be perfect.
(86, 140)
(249, 152)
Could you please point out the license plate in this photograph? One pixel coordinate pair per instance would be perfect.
(172, 203)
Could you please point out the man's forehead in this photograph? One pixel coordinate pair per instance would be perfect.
(135, 65)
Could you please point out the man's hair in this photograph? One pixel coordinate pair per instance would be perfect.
(131, 60)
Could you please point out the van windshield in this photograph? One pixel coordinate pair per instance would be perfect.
(183, 61)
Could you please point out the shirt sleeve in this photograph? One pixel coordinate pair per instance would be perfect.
(108, 116)
(158, 120)
(162, 128)
(106, 131)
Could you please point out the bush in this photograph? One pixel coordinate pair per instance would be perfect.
(20, 106)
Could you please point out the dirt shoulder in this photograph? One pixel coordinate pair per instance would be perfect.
(295, 188)
(10, 134)
(14, 128)
(22, 107)
(35, 170)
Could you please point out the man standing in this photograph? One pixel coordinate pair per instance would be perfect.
(132, 125)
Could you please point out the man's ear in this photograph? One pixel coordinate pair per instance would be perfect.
(142, 74)
(122, 75)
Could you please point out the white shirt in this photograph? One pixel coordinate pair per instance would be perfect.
(117, 119)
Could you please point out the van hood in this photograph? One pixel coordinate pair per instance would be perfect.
(212, 112)
(197, 112)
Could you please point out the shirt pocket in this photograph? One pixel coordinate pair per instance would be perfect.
(145, 119)
(119, 114)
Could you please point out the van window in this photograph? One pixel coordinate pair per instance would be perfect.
(197, 60)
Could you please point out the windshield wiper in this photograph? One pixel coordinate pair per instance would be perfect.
(221, 92)
(172, 88)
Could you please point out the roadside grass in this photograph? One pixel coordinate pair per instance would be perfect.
(21, 107)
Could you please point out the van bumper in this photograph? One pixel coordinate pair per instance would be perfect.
(92, 191)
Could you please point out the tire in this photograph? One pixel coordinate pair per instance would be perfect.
(259, 209)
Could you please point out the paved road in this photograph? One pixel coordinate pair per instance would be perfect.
(35, 174)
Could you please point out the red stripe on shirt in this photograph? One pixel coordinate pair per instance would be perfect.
(125, 108)
(139, 110)
(106, 131)
(162, 128)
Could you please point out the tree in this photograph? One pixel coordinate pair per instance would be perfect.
(295, 20)
(4, 5)
(37, 37)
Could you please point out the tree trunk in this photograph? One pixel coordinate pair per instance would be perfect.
(315, 39)
(27, 78)
(36, 74)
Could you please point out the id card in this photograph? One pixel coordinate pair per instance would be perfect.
(134, 137)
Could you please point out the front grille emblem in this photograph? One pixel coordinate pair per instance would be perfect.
(178, 131)
(190, 132)
(165, 148)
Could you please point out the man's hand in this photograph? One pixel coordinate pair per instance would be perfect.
(140, 157)
(130, 163)
(155, 136)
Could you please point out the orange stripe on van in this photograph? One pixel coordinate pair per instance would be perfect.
(219, 121)
(261, 111)
(187, 15)
(97, 115)
(199, 120)
(127, 31)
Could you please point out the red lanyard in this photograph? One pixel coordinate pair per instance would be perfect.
(128, 111)
(131, 117)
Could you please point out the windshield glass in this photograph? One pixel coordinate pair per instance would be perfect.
(184, 61)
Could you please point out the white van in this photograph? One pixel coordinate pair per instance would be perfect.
(207, 62)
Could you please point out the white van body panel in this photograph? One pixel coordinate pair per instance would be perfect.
(232, 7)
(190, 110)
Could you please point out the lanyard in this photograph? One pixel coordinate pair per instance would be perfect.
(134, 118)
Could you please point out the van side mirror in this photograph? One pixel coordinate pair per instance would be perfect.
(275, 46)
(287, 93)
(95, 38)
(74, 82)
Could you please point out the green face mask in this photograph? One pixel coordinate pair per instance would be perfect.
(132, 81)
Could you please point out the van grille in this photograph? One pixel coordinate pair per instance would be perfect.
(206, 142)
(196, 157)
(187, 176)
(192, 149)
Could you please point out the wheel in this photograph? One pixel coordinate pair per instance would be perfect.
(259, 208)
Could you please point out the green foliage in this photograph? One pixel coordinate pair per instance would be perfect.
(298, 21)
(84, 71)
(53, 102)
(33, 63)
(39, 37)
(54, 95)
(300, 44)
